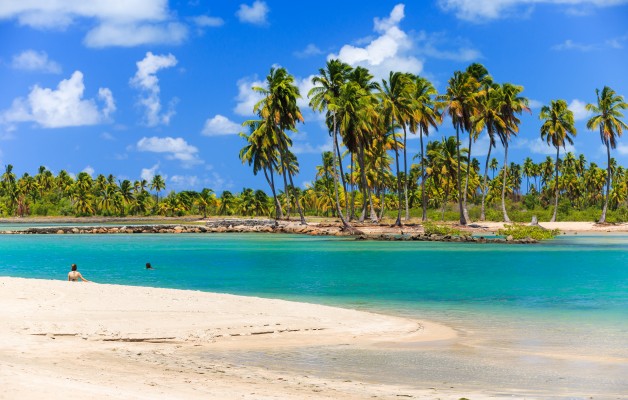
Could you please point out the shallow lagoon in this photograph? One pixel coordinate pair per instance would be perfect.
(551, 317)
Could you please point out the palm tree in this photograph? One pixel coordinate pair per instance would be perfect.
(444, 165)
(324, 96)
(158, 184)
(424, 116)
(459, 100)
(397, 104)
(528, 171)
(204, 200)
(557, 130)
(511, 105)
(607, 120)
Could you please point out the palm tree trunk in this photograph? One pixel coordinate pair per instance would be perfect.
(405, 172)
(334, 174)
(352, 204)
(342, 175)
(365, 190)
(382, 197)
(296, 194)
(484, 186)
(423, 197)
(608, 184)
(466, 182)
(284, 170)
(445, 203)
(463, 221)
(506, 219)
(398, 221)
(556, 188)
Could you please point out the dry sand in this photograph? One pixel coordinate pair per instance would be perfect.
(65, 340)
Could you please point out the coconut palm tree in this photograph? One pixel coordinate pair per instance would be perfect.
(158, 184)
(557, 130)
(607, 120)
(424, 116)
(397, 107)
(460, 105)
(324, 96)
(512, 104)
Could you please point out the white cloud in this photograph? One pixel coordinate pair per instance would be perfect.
(534, 104)
(621, 149)
(205, 21)
(149, 173)
(142, 21)
(616, 43)
(578, 108)
(219, 126)
(174, 148)
(184, 181)
(390, 51)
(131, 35)
(107, 136)
(254, 14)
(304, 85)
(309, 51)
(480, 10)
(89, 171)
(146, 81)
(31, 60)
(539, 146)
(429, 45)
(247, 97)
(62, 107)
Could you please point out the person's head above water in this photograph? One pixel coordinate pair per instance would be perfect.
(73, 267)
(148, 266)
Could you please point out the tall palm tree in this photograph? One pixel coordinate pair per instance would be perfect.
(158, 184)
(324, 96)
(279, 109)
(424, 116)
(607, 120)
(460, 105)
(397, 104)
(512, 105)
(528, 171)
(557, 130)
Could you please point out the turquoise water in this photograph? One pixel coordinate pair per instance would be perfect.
(568, 296)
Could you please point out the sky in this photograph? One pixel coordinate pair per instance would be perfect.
(136, 88)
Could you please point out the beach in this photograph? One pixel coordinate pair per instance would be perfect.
(63, 340)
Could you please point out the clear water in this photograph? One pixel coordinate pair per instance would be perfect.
(552, 316)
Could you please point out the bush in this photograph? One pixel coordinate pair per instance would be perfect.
(518, 231)
(430, 228)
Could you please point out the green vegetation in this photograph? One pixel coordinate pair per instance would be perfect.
(518, 231)
(368, 174)
(430, 228)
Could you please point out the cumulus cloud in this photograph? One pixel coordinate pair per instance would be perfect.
(89, 171)
(62, 107)
(31, 60)
(247, 97)
(431, 45)
(184, 181)
(255, 14)
(309, 51)
(390, 51)
(149, 173)
(538, 146)
(174, 148)
(616, 43)
(579, 109)
(117, 22)
(220, 126)
(146, 81)
(205, 21)
(131, 35)
(481, 10)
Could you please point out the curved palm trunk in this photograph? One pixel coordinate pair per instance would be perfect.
(398, 221)
(506, 219)
(271, 183)
(405, 172)
(366, 193)
(423, 197)
(556, 188)
(298, 200)
(466, 182)
(608, 184)
(342, 175)
(345, 224)
(484, 186)
(352, 204)
(463, 221)
(284, 171)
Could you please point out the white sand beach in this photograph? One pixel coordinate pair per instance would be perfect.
(65, 340)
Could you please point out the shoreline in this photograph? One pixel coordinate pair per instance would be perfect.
(144, 342)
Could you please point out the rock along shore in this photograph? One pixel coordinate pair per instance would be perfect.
(267, 226)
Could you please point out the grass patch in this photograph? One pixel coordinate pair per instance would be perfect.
(518, 231)
(431, 228)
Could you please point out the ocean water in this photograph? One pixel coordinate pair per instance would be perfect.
(551, 317)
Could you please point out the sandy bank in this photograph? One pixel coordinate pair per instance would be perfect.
(63, 340)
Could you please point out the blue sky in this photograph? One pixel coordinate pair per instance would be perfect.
(139, 87)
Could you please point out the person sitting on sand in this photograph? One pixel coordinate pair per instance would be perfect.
(74, 275)
(148, 266)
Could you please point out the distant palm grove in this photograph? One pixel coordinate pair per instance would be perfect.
(368, 174)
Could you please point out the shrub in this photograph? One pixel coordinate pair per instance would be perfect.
(518, 231)
(430, 228)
